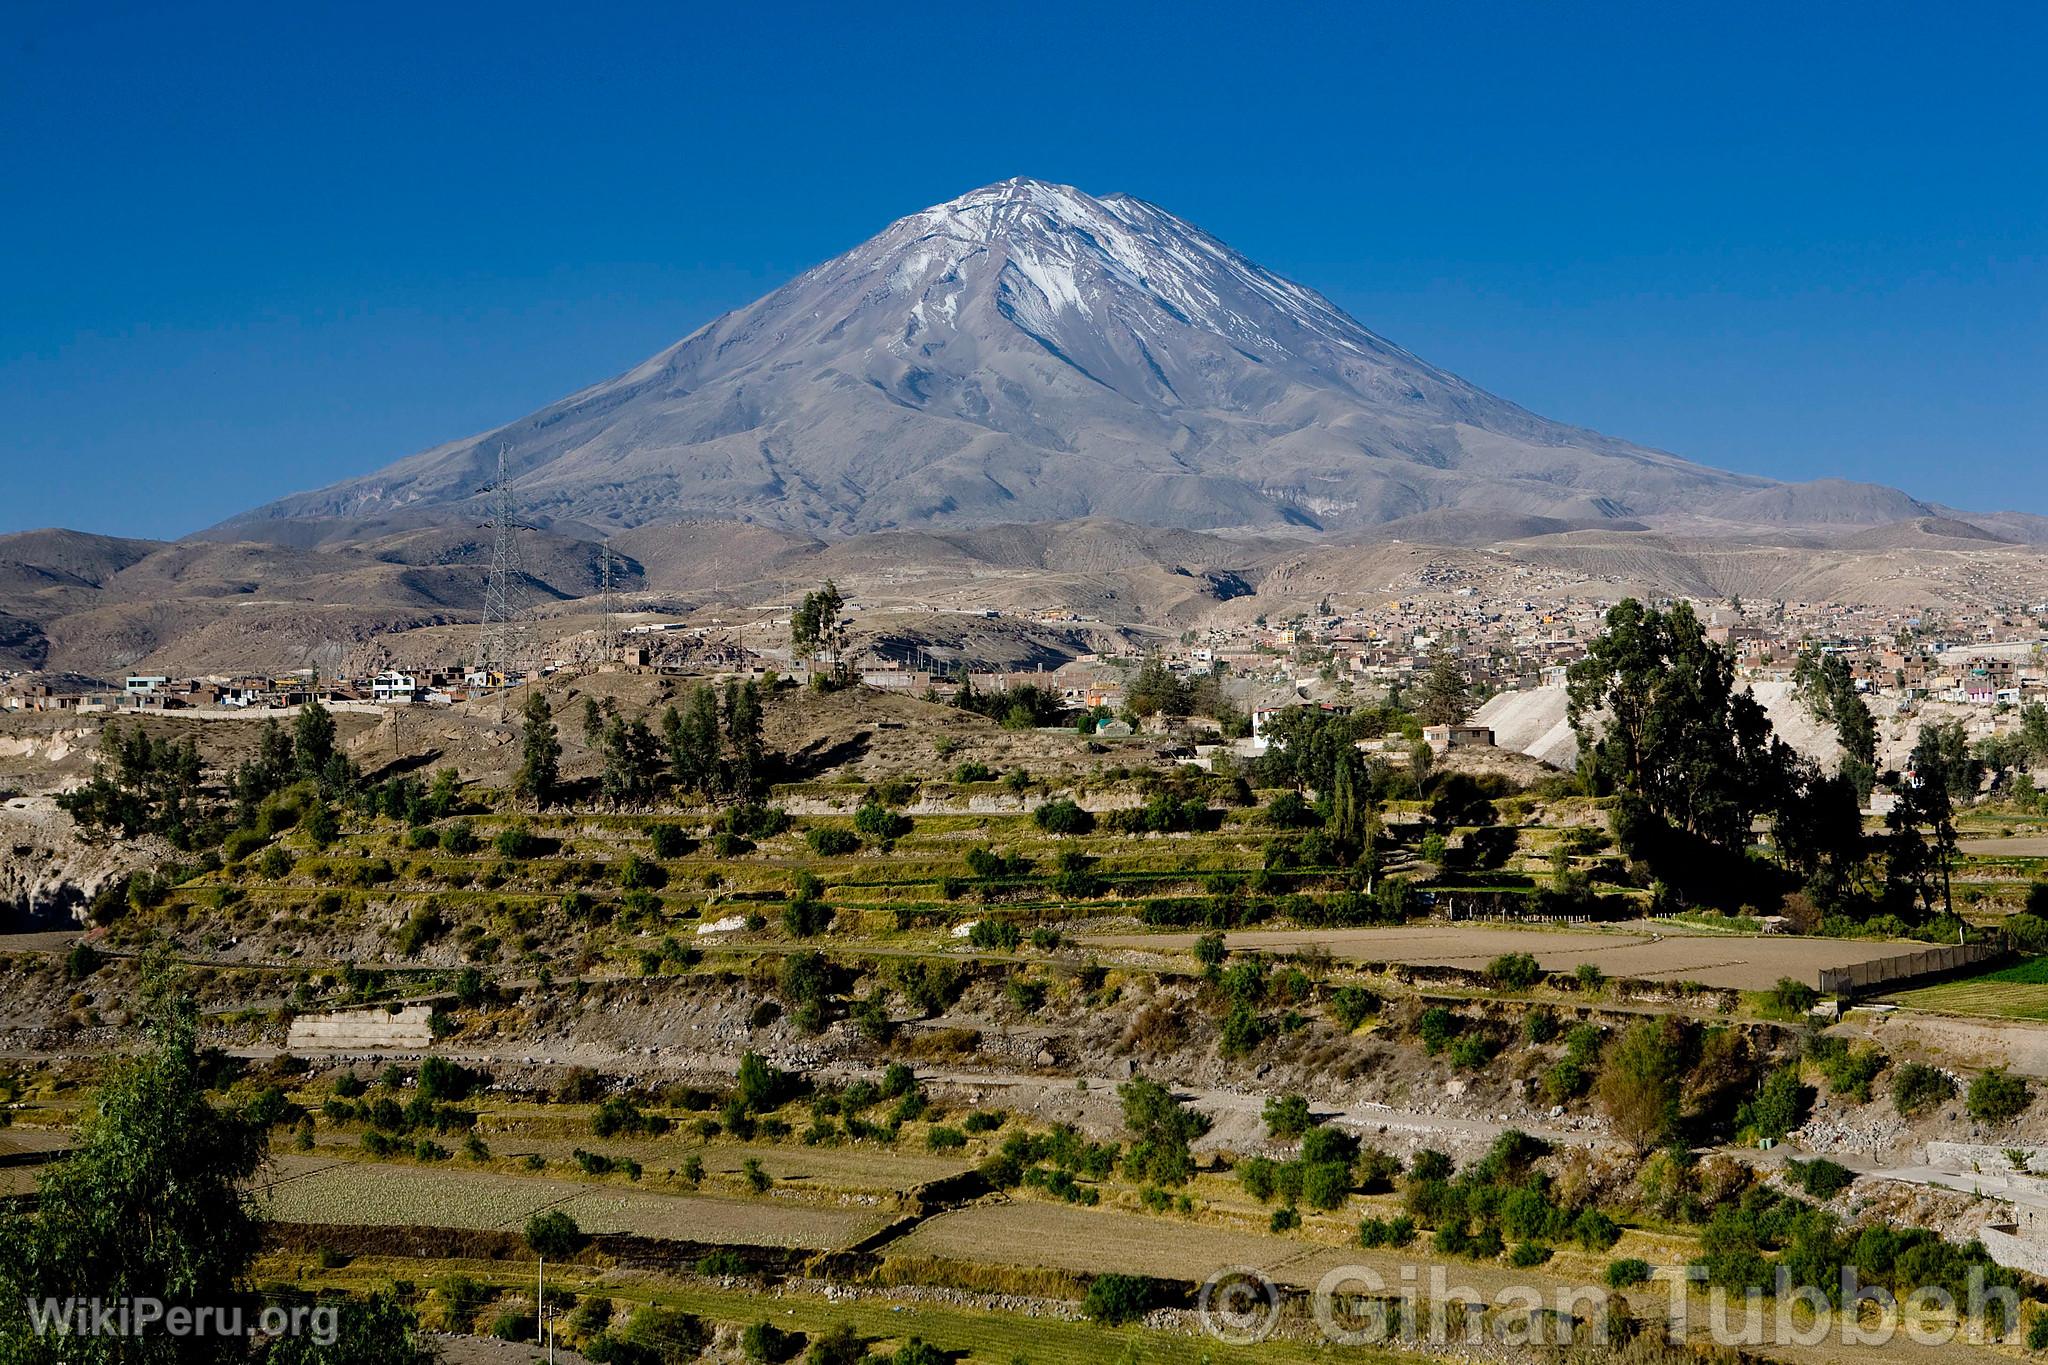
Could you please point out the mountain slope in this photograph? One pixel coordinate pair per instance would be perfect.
(1028, 353)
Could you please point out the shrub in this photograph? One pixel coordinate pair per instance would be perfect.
(1779, 1106)
(514, 842)
(1398, 1231)
(553, 1234)
(840, 1346)
(769, 1344)
(1629, 1270)
(1241, 1030)
(1063, 817)
(1918, 1087)
(1471, 1052)
(82, 961)
(1286, 1116)
(879, 823)
(830, 841)
(1435, 1028)
(668, 841)
(1793, 997)
(1995, 1097)
(511, 1326)
(1595, 1231)
(996, 934)
(1526, 1254)
(1849, 1070)
(1117, 1299)
(1513, 972)
(1821, 1178)
(1324, 1184)
(1353, 1005)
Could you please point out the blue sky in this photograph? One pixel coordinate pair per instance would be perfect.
(251, 249)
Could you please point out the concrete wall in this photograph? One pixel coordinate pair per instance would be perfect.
(365, 1029)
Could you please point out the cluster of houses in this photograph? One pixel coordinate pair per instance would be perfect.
(249, 693)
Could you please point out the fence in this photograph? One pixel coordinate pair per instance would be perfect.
(1890, 971)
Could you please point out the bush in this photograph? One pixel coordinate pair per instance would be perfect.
(1918, 1087)
(1629, 1270)
(1324, 1184)
(1849, 1070)
(1471, 1052)
(514, 842)
(840, 1346)
(668, 841)
(1995, 1097)
(1435, 1028)
(1793, 997)
(1513, 972)
(1386, 1232)
(82, 961)
(1063, 817)
(879, 823)
(769, 1344)
(1286, 1116)
(1353, 1005)
(511, 1326)
(1821, 1178)
(1526, 1254)
(1779, 1106)
(1117, 1299)
(830, 841)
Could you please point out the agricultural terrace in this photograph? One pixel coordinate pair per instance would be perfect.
(1636, 950)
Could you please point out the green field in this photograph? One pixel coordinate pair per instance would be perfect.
(2019, 991)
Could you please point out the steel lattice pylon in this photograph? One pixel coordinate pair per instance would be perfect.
(608, 599)
(505, 640)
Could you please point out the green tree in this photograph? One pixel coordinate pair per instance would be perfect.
(745, 772)
(2034, 730)
(1349, 820)
(1638, 1085)
(541, 753)
(814, 625)
(1661, 719)
(632, 762)
(1162, 1131)
(1921, 840)
(153, 1201)
(1445, 696)
(692, 737)
(1825, 685)
(313, 740)
(1156, 691)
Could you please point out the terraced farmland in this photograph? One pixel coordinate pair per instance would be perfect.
(384, 1195)
(1637, 949)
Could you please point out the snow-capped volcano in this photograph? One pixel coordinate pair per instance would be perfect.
(1028, 352)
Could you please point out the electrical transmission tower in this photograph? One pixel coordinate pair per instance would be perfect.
(505, 643)
(608, 601)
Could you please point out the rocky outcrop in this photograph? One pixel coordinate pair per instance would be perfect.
(49, 874)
